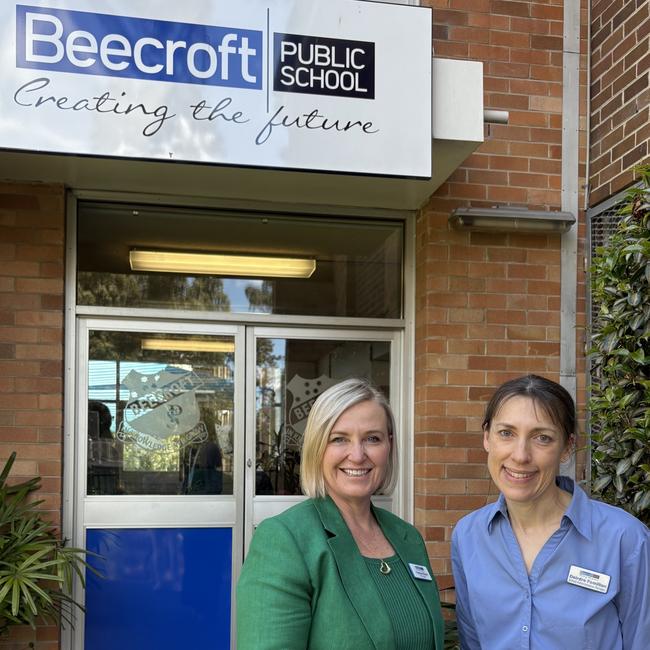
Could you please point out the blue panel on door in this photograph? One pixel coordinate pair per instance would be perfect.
(163, 588)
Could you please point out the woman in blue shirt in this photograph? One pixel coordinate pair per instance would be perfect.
(545, 567)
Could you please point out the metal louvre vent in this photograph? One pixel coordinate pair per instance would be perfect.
(603, 220)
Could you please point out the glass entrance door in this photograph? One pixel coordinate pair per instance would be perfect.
(291, 368)
(160, 442)
(188, 435)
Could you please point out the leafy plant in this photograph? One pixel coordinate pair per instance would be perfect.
(36, 568)
(620, 402)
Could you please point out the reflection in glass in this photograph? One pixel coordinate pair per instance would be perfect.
(291, 374)
(358, 261)
(160, 421)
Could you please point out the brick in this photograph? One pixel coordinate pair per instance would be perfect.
(440, 32)
(485, 300)
(38, 351)
(39, 285)
(546, 104)
(545, 166)
(505, 316)
(527, 271)
(450, 17)
(500, 69)
(20, 268)
(528, 118)
(529, 149)
(504, 348)
(543, 349)
(548, 73)
(485, 362)
(491, 21)
(526, 333)
(509, 163)
(527, 364)
(18, 335)
(466, 377)
(37, 418)
(451, 50)
(546, 12)
(17, 434)
(529, 25)
(530, 56)
(528, 180)
(635, 156)
(445, 454)
(469, 34)
(510, 8)
(637, 19)
(508, 195)
(31, 451)
(465, 502)
(509, 39)
(538, 42)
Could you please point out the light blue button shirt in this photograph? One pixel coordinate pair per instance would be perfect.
(501, 607)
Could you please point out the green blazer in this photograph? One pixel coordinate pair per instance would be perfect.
(305, 586)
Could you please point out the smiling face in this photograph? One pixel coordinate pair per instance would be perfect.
(525, 448)
(357, 453)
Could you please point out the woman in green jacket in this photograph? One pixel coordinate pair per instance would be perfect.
(334, 572)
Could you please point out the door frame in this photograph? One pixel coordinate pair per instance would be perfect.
(157, 511)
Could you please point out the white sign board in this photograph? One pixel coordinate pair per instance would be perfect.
(324, 85)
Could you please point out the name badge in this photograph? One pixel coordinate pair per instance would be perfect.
(420, 572)
(588, 579)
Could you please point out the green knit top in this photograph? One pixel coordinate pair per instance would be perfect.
(408, 612)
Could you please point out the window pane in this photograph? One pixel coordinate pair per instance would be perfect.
(358, 262)
(291, 373)
(160, 414)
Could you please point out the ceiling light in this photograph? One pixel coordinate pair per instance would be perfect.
(221, 264)
(511, 220)
(188, 345)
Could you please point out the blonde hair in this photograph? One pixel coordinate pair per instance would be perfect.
(326, 410)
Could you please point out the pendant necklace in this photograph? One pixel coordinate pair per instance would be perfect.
(371, 545)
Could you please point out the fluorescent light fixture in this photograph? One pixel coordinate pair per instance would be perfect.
(257, 266)
(188, 345)
(511, 220)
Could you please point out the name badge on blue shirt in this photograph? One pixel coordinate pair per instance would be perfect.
(420, 572)
(588, 579)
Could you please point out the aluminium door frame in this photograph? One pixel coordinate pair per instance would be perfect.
(157, 511)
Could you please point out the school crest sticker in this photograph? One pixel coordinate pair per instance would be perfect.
(162, 410)
(301, 395)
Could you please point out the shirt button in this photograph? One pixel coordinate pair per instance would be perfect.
(525, 628)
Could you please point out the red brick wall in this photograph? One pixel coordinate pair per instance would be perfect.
(31, 351)
(488, 305)
(620, 94)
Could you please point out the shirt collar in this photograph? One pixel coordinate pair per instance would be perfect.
(499, 507)
(578, 512)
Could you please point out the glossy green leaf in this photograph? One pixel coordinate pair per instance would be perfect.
(601, 483)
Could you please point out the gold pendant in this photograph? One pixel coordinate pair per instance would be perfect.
(384, 568)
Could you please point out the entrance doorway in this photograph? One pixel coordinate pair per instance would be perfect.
(188, 435)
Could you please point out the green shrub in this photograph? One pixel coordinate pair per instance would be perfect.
(620, 402)
(36, 568)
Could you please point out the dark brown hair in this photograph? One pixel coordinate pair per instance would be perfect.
(549, 395)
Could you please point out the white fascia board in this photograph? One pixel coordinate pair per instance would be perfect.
(457, 108)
